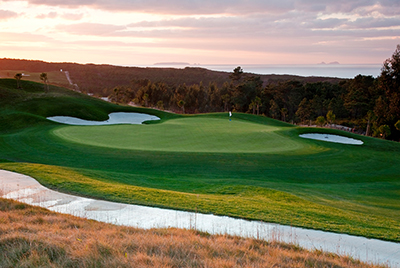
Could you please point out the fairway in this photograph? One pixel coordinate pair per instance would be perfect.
(252, 167)
(194, 134)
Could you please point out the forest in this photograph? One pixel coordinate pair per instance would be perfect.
(364, 104)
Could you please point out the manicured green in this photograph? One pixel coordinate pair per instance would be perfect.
(190, 134)
(251, 167)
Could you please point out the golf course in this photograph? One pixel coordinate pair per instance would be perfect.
(250, 167)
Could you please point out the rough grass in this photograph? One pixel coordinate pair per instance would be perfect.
(54, 77)
(35, 237)
(315, 184)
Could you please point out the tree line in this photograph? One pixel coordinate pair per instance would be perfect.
(366, 104)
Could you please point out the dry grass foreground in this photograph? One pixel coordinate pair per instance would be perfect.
(35, 237)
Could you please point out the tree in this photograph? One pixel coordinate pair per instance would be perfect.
(286, 94)
(226, 99)
(237, 74)
(389, 82)
(214, 98)
(384, 131)
(330, 117)
(180, 94)
(160, 105)
(18, 77)
(317, 106)
(181, 104)
(274, 109)
(304, 110)
(284, 113)
(258, 103)
(380, 110)
(397, 125)
(320, 121)
(43, 77)
(146, 99)
(370, 118)
(252, 106)
(226, 93)
(247, 91)
(121, 95)
(337, 106)
(359, 99)
(255, 105)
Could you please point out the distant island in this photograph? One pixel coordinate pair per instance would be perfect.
(171, 63)
(330, 63)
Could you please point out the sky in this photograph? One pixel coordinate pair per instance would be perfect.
(144, 32)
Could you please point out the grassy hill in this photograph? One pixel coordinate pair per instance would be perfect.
(35, 237)
(251, 167)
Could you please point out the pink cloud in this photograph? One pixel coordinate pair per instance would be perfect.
(6, 14)
(87, 28)
(50, 15)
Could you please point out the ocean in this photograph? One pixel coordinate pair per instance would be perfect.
(326, 70)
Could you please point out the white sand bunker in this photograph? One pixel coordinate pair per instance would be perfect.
(331, 138)
(114, 118)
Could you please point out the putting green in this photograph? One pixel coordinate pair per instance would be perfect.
(195, 134)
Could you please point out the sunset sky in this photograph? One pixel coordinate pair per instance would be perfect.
(143, 32)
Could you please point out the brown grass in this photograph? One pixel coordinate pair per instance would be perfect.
(36, 237)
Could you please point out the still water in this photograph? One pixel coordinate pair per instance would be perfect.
(326, 70)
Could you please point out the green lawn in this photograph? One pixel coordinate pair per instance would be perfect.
(251, 167)
(190, 134)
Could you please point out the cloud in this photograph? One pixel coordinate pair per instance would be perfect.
(370, 22)
(325, 23)
(389, 7)
(97, 29)
(6, 14)
(72, 16)
(223, 6)
(7, 37)
(206, 28)
(295, 25)
(67, 16)
(255, 26)
(50, 15)
(209, 25)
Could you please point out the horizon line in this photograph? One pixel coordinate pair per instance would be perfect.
(186, 64)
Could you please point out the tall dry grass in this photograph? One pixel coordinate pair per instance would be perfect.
(36, 237)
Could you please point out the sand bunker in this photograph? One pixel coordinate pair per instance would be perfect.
(331, 138)
(26, 189)
(114, 118)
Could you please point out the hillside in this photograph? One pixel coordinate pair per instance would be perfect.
(35, 237)
(96, 78)
(29, 105)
